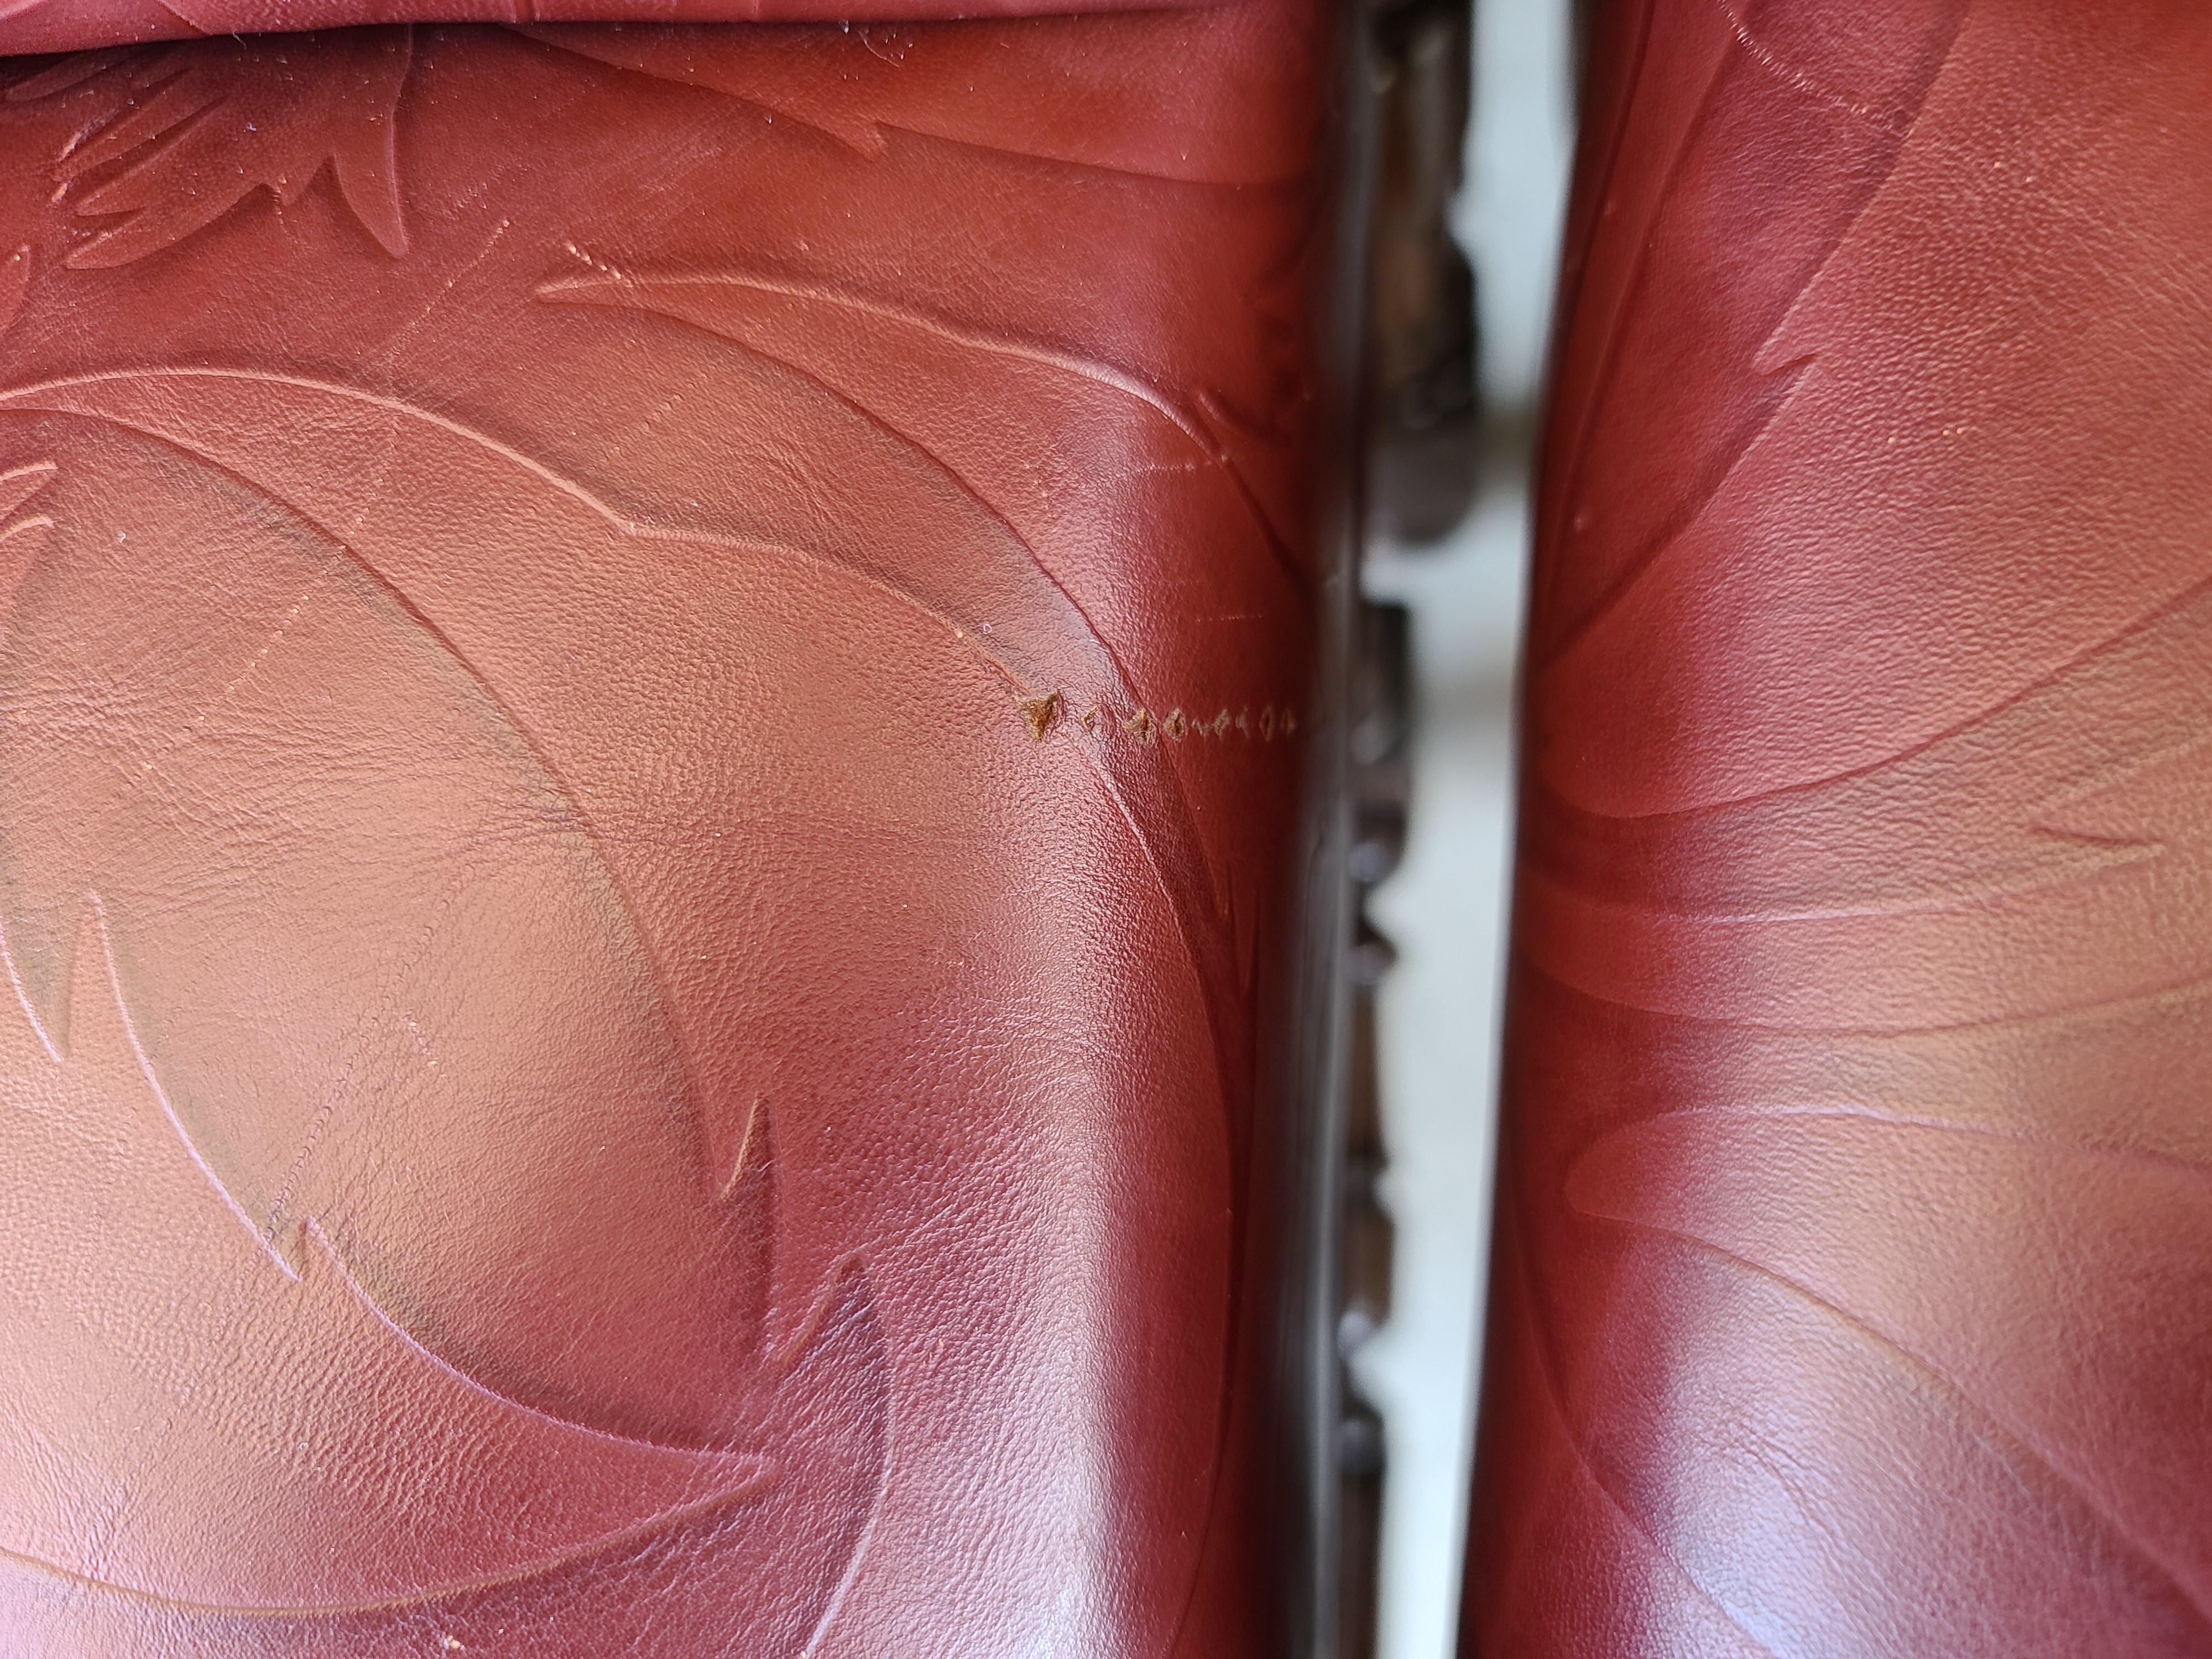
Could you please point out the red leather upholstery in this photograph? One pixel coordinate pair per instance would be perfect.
(1853, 1289)
(655, 688)
(39, 26)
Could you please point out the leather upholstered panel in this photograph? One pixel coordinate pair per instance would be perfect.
(1853, 1286)
(655, 688)
(45, 25)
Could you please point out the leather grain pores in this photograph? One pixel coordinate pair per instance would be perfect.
(1853, 1283)
(48, 26)
(654, 691)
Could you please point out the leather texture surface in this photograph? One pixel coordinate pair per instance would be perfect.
(1855, 1251)
(654, 691)
(1853, 1286)
(50, 26)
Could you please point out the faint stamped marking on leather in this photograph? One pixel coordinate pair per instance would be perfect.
(1791, 75)
(881, 94)
(14, 284)
(178, 135)
(18, 486)
(103, 1067)
(808, 1496)
(740, 306)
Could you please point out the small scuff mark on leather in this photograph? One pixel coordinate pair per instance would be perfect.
(1042, 715)
(1039, 714)
(596, 264)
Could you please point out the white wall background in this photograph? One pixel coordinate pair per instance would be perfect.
(1445, 908)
